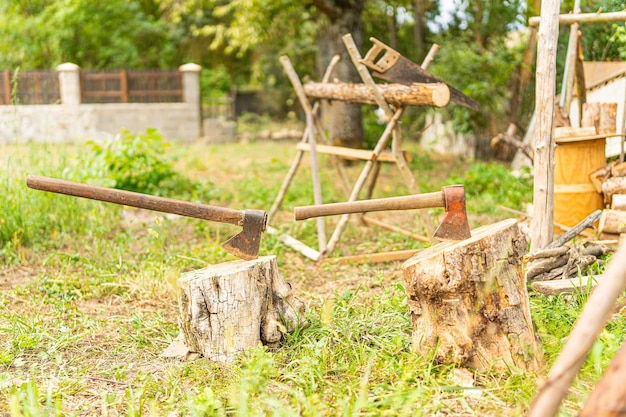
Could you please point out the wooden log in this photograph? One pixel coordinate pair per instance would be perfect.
(618, 202)
(608, 398)
(469, 303)
(600, 175)
(612, 221)
(568, 133)
(608, 115)
(565, 286)
(228, 308)
(619, 169)
(613, 185)
(437, 95)
(350, 153)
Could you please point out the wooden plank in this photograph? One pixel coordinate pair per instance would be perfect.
(349, 153)
(295, 244)
(379, 257)
(566, 286)
(574, 132)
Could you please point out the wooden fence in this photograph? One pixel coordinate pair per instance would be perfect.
(35, 87)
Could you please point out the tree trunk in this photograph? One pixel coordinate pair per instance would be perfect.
(419, 28)
(228, 308)
(468, 301)
(346, 121)
(437, 95)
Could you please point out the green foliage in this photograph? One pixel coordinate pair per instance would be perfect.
(484, 76)
(134, 162)
(92, 34)
(488, 185)
(215, 82)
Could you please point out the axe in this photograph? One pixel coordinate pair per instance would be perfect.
(244, 245)
(452, 198)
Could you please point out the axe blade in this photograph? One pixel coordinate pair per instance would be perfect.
(454, 225)
(245, 244)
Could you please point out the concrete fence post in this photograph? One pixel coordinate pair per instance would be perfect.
(191, 83)
(191, 91)
(69, 81)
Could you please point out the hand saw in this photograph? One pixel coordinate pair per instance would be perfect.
(395, 68)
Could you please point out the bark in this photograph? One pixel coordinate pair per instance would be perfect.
(419, 29)
(612, 221)
(614, 185)
(228, 308)
(437, 95)
(344, 16)
(543, 197)
(469, 303)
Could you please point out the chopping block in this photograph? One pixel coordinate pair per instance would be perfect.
(228, 308)
(469, 303)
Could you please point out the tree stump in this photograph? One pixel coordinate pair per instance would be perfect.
(469, 303)
(230, 307)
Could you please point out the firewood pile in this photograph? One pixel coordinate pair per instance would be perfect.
(560, 260)
(563, 262)
(610, 181)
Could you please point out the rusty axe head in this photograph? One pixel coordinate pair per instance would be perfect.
(454, 225)
(245, 245)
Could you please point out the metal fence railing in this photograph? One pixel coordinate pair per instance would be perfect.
(33, 87)
(105, 86)
(123, 86)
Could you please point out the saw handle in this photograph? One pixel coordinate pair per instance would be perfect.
(129, 198)
(388, 60)
(417, 201)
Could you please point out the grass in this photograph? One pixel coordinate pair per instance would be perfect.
(88, 299)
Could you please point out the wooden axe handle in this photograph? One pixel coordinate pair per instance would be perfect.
(128, 198)
(417, 201)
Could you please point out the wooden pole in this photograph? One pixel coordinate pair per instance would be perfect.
(583, 18)
(595, 314)
(570, 65)
(543, 198)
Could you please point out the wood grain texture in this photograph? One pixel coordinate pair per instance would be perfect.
(469, 303)
(228, 308)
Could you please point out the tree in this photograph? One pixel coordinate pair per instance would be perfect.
(346, 125)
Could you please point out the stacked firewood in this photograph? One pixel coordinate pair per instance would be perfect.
(562, 262)
(610, 181)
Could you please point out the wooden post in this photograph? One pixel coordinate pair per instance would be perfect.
(565, 19)
(228, 308)
(543, 197)
(468, 301)
(124, 86)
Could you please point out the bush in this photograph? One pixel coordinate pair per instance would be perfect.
(134, 162)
